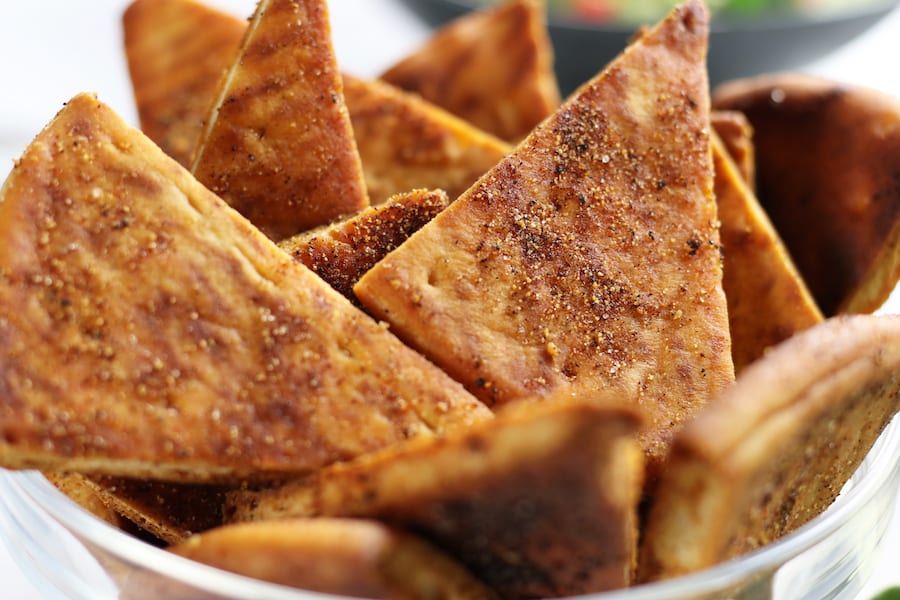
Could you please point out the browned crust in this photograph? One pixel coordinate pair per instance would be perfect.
(768, 301)
(828, 176)
(775, 450)
(177, 52)
(342, 252)
(736, 134)
(279, 145)
(148, 330)
(589, 257)
(493, 68)
(542, 503)
(406, 142)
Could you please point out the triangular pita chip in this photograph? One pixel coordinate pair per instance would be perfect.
(588, 259)
(350, 557)
(83, 492)
(493, 68)
(774, 451)
(540, 503)
(767, 299)
(827, 157)
(279, 146)
(736, 134)
(148, 330)
(342, 252)
(177, 52)
(406, 142)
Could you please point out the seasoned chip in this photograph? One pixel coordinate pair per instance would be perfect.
(350, 557)
(148, 330)
(589, 257)
(736, 133)
(827, 171)
(541, 502)
(774, 450)
(84, 493)
(177, 52)
(341, 252)
(493, 68)
(279, 146)
(407, 143)
(767, 299)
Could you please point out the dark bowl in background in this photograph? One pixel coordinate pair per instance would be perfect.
(738, 47)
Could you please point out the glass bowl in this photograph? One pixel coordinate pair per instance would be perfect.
(64, 550)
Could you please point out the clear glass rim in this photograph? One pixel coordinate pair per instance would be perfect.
(880, 468)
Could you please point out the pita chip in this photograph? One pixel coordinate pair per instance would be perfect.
(148, 330)
(827, 156)
(406, 142)
(540, 503)
(177, 52)
(350, 557)
(279, 146)
(775, 450)
(340, 253)
(768, 301)
(587, 259)
(493, 68)
(736, 134)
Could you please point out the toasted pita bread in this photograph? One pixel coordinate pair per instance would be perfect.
(541, 502)
(407, 143)
(341, 252)
(827, 157)
(493, 68)
(774, 451)
(177, 52)
(279, 146)
(84, 493)
(768, 301)
(736, 134)
(349, 557)
(589, 257)
(148, 330)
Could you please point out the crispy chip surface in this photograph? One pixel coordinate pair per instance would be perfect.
(149, 330)
(774, 451)
(588, 259)
(493, 68)
(736, 134)
(827, 171)
(279, 146)
(177, 52)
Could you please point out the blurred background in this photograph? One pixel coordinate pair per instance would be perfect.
(53, 49)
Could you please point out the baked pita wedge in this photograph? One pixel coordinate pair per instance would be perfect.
(84, 492)
(774, 451)
(147, 330)
(588, 258)
(406, 142)
(827, 156)
(177, 52)
(736, 134)
(542, 502)
(768, 301)
(493, 68)
(278, 146)
(350, 557)
(342, 252)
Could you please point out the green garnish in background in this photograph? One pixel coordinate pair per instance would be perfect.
(889, 594)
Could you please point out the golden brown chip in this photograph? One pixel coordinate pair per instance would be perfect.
(279, 146)
(767, 299)
(171, 512)
(177, 52)
(493, 68)
(350, 557)
(827, 175)
(540, 503)
(406, 142)
(83, 492)
(149, 330)
(589, 257)
(775, 450)
(341, 252)
(736, 133)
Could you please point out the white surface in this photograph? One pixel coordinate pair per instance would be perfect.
(53, 49)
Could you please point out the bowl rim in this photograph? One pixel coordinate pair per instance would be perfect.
(881, 467)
